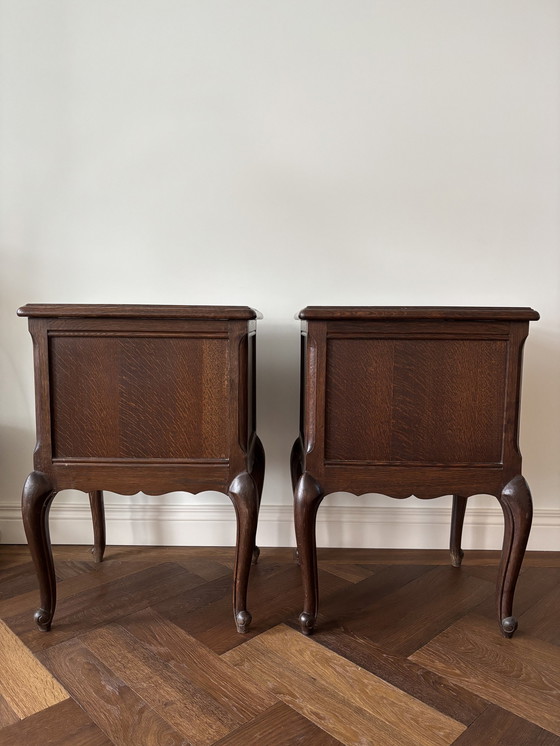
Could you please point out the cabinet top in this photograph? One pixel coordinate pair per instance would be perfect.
(324, 313)
(84, 310)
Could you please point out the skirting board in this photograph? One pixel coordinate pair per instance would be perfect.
(163, 524)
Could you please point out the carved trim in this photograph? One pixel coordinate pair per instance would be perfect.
(243, 392)
(82, 461)
(500, 336)
(147, 334)
(417, 464)
(310, 412)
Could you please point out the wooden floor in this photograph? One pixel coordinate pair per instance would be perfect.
(143, 650)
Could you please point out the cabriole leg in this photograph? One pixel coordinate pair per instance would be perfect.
(295, 463)
(258, 476)
(457, 519)
(243, 493)
(98, 517)
(296, 471)
(517, 506)
(307, 498)
(38, 494)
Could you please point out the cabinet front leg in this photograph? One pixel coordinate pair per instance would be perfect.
(517, 506)
(244, 495)
(457, 519)
(307, 498)
(38, 494)
(98, 517)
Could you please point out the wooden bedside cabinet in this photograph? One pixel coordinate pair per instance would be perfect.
(143, 398)
(412, 401)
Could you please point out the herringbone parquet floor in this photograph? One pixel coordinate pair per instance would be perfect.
(143, 650)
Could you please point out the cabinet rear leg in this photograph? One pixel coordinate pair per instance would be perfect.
(98, 517)
(457, 519)
(258, 476)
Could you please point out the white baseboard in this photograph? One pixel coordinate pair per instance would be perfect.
(170, 524)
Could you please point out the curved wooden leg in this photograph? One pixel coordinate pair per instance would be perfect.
(517, 506)
(457, 519)
(38, 494)
(98, 517)
(244, 496)
(258, 476)
(296, 469)
(296, 472)
(307, 498)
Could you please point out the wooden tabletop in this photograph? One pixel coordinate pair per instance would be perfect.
(323, 313)
(85, 310)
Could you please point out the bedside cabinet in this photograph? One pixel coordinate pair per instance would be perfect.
(143, 398)
(412, 401)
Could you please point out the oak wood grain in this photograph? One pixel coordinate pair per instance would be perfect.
(419, 384)
(103, 604)
(72, 583)
(405, 401)
(276, 598)
(350, 572)
(543, 616)
(502, 728)
(7, 715)
(279, 726)
(349, 602)
(151, 399)
(17, 580)
(522, 676)
(117, 710)
(533, 588)
(418, 681)
(25, 684)
(123, 311)
(404, 620)
(63, 724)
(143, 398)
(479, 313)
(197, 664)
(349, 703)
(191, 710)
(516, 674)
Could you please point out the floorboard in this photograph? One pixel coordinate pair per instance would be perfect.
(143, 650)
(521, 675)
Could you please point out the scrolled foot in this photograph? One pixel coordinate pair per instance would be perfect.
(43, 619)
(243, 621)
(307, 622)
(97, 554)
(256, 555)
(457, 557)
(509, 625)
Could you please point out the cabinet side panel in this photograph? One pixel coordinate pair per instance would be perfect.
(359, 399)
(139, 397)
(422, 401)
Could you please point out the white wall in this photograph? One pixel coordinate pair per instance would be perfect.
(279, 154)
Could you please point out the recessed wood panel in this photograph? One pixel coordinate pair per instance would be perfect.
(415, 400)
(139, 397)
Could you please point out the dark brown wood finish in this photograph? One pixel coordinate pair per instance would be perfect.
(143, 398)
(408, 401)
(98, 517)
